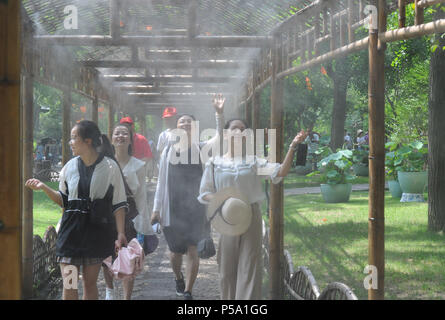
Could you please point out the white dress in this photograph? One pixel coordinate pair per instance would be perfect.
(134, 172)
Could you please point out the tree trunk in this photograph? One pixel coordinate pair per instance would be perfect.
(436, 139)
(340, 77)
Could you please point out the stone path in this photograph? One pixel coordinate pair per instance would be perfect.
(313, 190)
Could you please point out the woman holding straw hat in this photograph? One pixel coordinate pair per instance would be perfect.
(231, 186)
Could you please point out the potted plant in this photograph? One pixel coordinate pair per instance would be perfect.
(391, 158)
(336, 177)
(412, 174)
(361, 162)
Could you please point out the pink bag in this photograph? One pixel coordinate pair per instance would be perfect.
(129, 261)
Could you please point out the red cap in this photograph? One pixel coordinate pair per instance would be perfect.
(126, 120)
(169, 112)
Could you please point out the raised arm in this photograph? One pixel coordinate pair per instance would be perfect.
(287, 163)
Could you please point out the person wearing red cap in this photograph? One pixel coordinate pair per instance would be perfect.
(141, 147)
(169, 120)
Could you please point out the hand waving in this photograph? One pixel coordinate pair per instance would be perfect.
(299, 138)
(218, 103)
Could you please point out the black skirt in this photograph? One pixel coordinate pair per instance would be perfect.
(187, 214)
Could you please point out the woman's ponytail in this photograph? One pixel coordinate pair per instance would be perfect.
(106, 148)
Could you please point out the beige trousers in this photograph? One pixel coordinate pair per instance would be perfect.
(240, 262)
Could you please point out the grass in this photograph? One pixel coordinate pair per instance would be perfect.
(332, 241)
(293, 180)
(45, 212)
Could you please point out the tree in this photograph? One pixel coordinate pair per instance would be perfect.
(436, 134)
(340, 75)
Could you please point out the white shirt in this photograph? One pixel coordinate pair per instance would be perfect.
(246, 177)
(134, 173)
(163, 140)
(161, 200)
(106, 173)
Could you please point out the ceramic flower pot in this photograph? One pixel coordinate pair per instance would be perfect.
(335, 193)
(394, 188)
(412, 184)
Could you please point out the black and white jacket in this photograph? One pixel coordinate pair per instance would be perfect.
(79, 186)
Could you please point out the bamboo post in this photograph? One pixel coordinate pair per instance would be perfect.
(111, 112)
(28, 149)
(114, 19)
(95, 105)
(376, 104)
(418, 14)
(350, 21)
(10, 151)
(402, 13)
(276, 190)
(333, 31)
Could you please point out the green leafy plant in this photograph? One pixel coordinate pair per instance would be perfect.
(337, 168)
(360, 156)
(409, 157)
(391, 158)
(412, 157)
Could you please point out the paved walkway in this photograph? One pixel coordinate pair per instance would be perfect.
(355, 187)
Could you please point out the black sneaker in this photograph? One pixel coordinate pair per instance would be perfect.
(188, 295)
(180, 286)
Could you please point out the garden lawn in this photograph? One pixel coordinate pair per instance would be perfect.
(46, 212)
(332, 241)
(293, 180)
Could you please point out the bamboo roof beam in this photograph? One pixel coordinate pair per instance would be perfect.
(426, 3)
(172, 78)
(157, 41)
(437, 26)
(173, 90)
(173, 64)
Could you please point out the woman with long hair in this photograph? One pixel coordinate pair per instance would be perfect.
(181, 216)
(92, 194)
(239, 255)
(133, 170)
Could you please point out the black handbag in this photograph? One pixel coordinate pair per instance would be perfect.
(206, 247)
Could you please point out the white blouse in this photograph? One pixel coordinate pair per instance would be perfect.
(134, 172)
(245, 176)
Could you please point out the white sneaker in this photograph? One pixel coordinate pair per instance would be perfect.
(109, 294)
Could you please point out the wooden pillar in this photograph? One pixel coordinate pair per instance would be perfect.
(111, 113)
(10, 151)
(28, 161)
(66, 123)
(402, 13)
(95, 108)
(276, 190)
(376, 104)
(418, 14)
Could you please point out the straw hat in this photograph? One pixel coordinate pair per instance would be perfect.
(230, 212)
